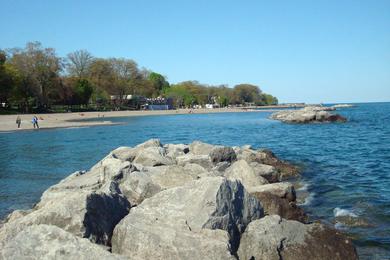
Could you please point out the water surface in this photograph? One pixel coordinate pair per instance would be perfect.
(346, 166)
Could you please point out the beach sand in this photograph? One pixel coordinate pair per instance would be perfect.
(66, 120)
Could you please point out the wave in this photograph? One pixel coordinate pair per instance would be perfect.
(339, 212)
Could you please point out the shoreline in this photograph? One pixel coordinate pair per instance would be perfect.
(83, 119)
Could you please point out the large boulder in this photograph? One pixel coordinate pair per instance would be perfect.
(241, 170)
(137, 186)
(50, 242)
(222, 154)
(172, 176)
(200, 148)
(174, 150)
(308, 115)
(275, 205)
(268, 172)
(125, 153)
(275, 238)
(86, 204)
(200, 159)
(202, 219)
(286, 170)
(152, 156)
(280, 189)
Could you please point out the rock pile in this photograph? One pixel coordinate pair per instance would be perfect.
(308, 115)
(174, 201)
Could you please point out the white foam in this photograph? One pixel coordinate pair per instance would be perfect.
(338, 212)
(304, 187)
(308, 200)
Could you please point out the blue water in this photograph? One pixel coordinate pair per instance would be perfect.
(347, 166)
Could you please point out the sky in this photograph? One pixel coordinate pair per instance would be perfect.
(297, 50)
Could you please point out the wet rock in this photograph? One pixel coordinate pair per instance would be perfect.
(203, 219)
(275, 238)
(285, 169)
(274, 205)
(51, 242)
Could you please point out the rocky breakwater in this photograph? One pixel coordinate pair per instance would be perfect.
(311, 114)
(174, 201)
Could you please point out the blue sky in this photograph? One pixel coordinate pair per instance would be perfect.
(299, 51)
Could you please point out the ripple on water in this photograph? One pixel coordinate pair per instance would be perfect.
(346, 166)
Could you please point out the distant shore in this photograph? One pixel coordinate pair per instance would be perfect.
(83, 119)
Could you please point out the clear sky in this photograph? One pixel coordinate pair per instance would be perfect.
(297, 50)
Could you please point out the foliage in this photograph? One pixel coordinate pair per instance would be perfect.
(34, 77)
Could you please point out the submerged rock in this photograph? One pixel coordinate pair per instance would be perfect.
(308, 115)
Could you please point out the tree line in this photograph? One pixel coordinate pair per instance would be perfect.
(35, 78)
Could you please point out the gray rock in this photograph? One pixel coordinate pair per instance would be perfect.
(174, 150)
(149, 143)
(125, 153)
(222, 154)
(307, 115)
(270, 173)
(188, 222)
(172, 176)
(241, 170)
(200, 148)
(137, 186)
(152, 156)
(280, 189)
(51, 242)
(196, 171)
(86, 204)
(275, 238)
(202, 160)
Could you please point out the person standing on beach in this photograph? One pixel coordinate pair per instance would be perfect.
(35, 122)
(18, 121)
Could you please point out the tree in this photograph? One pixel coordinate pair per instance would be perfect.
(82, 92)
(39, 68)
(6, 79)
(79, 63)
(158, 81)
(266, 99)
(246, 93)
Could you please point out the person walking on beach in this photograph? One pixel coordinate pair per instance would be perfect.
(18, 121)
(35, 122)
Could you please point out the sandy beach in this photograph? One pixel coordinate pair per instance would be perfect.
(66, 120)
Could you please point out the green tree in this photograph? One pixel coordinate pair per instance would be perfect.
(246, 93)
(82, 92)
(159, 82)
(40, 68)
(6, 79)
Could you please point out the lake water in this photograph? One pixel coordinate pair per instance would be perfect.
(346, 166)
